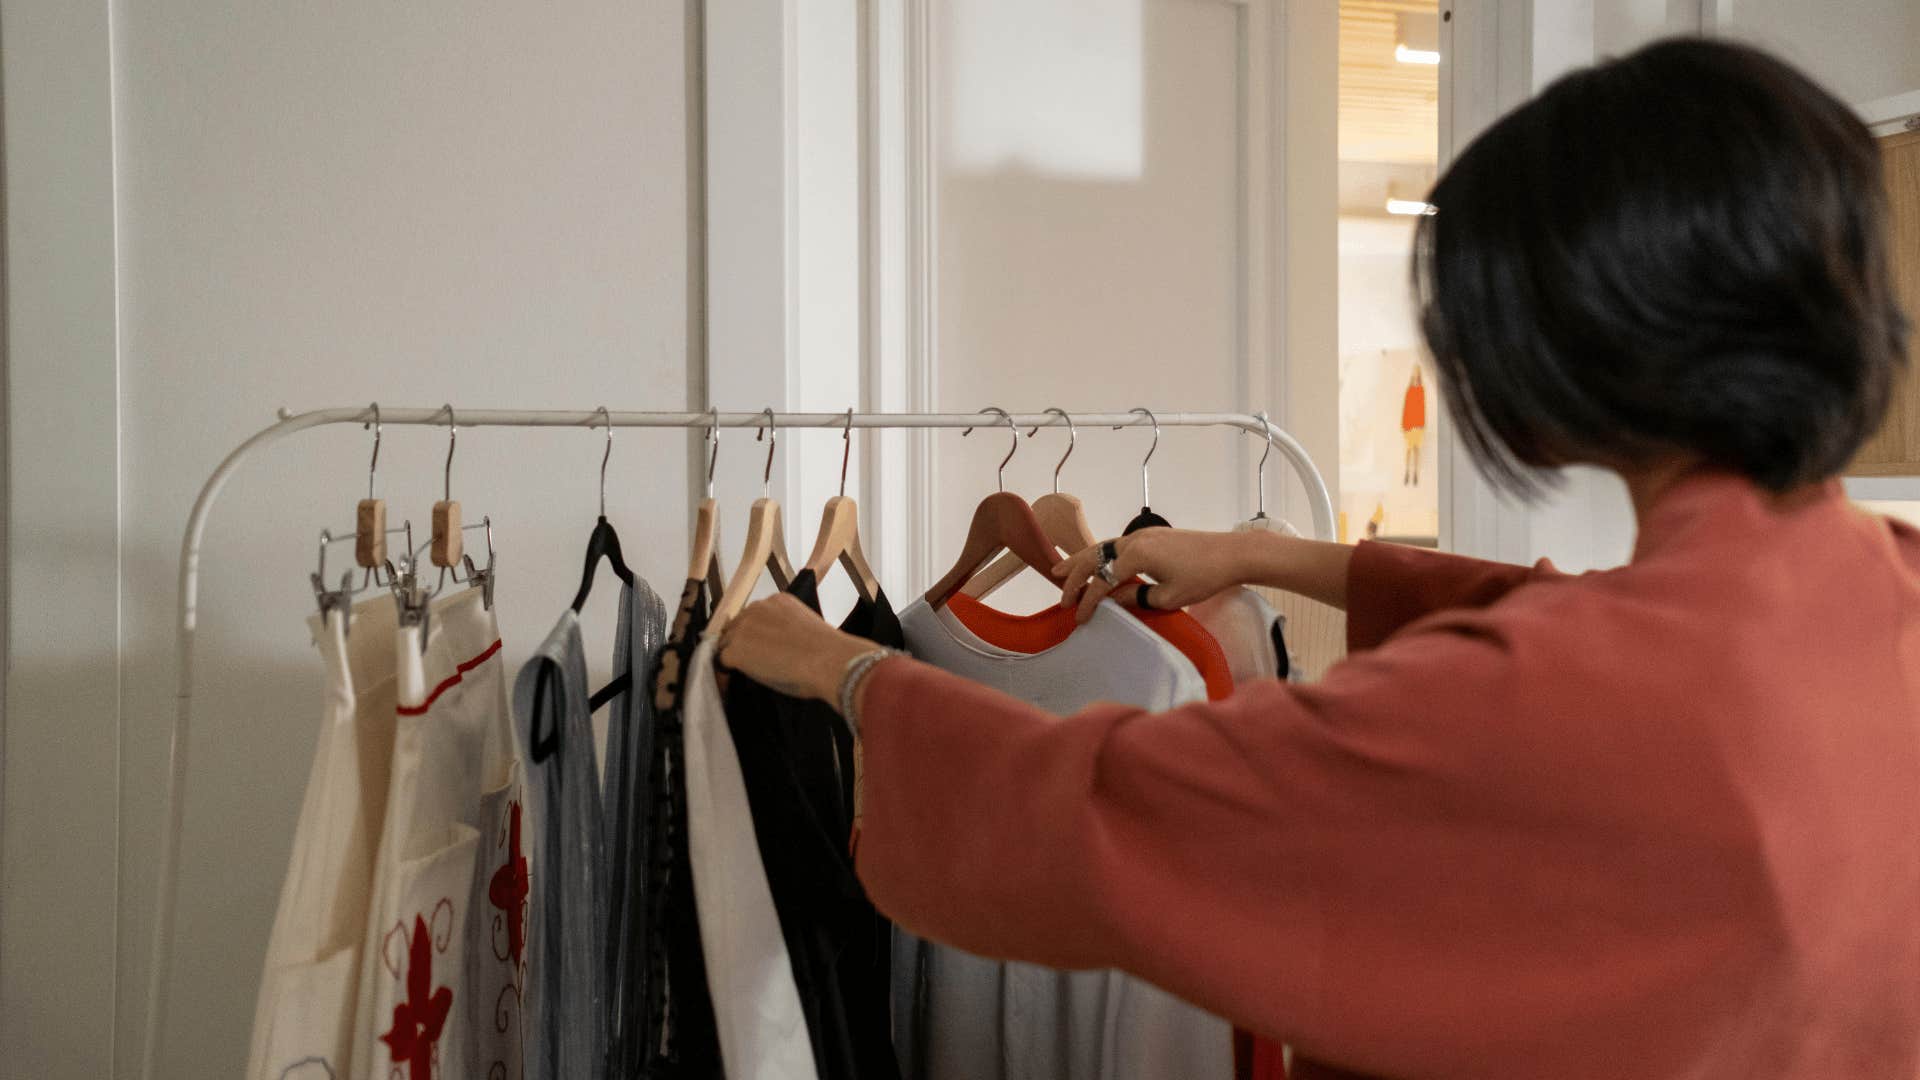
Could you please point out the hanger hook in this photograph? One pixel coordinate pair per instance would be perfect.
(713, 445)
(608, 417)
(1267, 426)
(767, 430)
(1073, 440)
(1012, 429)
(453, 437)
(375, 463)
(846, 449)
(1146, 489)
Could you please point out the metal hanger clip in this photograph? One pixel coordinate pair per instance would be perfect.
(415, 602)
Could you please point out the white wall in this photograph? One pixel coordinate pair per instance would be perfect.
(1086, 239)
(326, 204)
(1863, 50)
(1096, 250)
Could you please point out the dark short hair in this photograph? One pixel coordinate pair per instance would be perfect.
(1680, 252)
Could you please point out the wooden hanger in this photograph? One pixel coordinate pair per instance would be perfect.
(1002, 522)
(1062, 517)
(765, 552)
(839, 542)
(703, 561)
(839, 538)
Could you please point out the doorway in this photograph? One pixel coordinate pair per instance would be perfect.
(1389, 150)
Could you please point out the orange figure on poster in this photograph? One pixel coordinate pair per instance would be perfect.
(1413, 425)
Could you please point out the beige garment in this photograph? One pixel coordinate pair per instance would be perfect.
(1316, 632)
(305, 1010)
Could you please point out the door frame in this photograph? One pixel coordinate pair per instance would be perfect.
(1289, 328)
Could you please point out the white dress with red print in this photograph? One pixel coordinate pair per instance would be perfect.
(441, 974)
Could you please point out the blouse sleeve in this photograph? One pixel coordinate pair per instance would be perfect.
(1346, 866)
(1392, 585)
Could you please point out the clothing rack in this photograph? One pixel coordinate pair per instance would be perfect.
(1320, 506)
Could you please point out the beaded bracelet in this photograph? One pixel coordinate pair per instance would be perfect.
(850, 678)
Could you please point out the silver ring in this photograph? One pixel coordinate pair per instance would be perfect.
(1106, 572)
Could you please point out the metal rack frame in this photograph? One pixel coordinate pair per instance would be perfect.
(1320, 506)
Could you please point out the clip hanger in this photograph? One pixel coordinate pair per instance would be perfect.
(445, 546)
(370, 518)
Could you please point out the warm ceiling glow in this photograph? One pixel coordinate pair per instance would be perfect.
(1409, 207)
(1416, 38)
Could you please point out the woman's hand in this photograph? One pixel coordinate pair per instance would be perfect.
(783, 644)
(1186, 565)
(1189, 566)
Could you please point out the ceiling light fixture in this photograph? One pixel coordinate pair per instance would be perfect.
(1416, 38)
(1409, 207)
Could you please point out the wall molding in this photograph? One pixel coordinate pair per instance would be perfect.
(60, 856)
(1486, 69)
(1890, 115)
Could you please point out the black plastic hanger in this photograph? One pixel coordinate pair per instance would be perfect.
(1146, 518)
(605, 542)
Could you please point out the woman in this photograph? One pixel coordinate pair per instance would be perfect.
(1662, 821)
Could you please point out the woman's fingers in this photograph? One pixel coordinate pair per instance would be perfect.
(1090, 598)
(757, 625)
(782, 643)
(1075, 573)
(1095, 588)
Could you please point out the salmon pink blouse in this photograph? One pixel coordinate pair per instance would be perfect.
(1660, 821)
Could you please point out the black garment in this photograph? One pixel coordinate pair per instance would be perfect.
(679, 1040)
(1145, 519)
(796, 758)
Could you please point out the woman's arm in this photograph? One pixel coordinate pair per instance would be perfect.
(1435, 862)
(1382, 587)
(1430, 863)
(1188, 565)
(1337, 866)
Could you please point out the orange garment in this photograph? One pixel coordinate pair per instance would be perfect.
(1413, 412)
(1657, 821)
(1042, 630)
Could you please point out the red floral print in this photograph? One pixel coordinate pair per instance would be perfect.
(418, 1020)
(509, 887)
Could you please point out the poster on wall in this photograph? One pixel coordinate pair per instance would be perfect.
(1387, 485)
